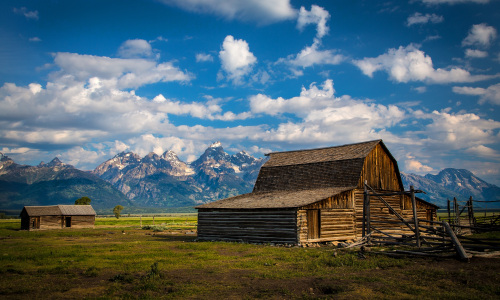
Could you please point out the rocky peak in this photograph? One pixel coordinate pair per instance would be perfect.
(55, 163)
(170, 155)
(242, 158)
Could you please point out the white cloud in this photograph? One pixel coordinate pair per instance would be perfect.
(324, 118)
(490, 94)
(413, 165)
(35, 39)
(202, 57)
(418, 18)
(259, 11)
(310, 56)
(412, 64)
(28, 14)
(317, 15)
(119, 72)
(236, 58)
(455, 1)
(483, 151)
(473, 53)
(480, 35)
(137, 48)
(449, 131)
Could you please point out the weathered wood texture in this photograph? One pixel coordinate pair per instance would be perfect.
(273, 226)
(384, 220)
(82, 222)
(336, 224)
(380, 171)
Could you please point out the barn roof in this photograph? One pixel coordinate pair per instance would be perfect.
(338, 166)
(60, 210)
(276, 199)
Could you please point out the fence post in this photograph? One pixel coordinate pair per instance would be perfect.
(366, 198)
(449, 212)
(415, 217)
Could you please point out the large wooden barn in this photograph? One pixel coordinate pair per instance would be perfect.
(312, 196)
(57, 217)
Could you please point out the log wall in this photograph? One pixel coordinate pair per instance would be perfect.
(82, 221)
(50, 222)
(383, 219)
(259, 226)
(336, 224)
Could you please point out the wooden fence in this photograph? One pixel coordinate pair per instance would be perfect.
(425, 237)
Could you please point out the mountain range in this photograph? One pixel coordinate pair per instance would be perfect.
(166, 181)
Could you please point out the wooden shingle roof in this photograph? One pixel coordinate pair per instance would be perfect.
(275, 199)
(60, 210)
(338, 166)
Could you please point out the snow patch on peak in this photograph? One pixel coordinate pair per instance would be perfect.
(216, 145)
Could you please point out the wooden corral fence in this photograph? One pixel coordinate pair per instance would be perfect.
(418, 236)
(465, 217)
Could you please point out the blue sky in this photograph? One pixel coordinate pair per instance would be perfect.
(85, 80)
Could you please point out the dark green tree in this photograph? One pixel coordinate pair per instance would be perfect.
(83, 201)
(117, 211)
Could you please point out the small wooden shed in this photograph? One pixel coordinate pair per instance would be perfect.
(57, 217)
(311, 196)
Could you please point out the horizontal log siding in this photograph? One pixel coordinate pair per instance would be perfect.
(336, 225)
(263, 226)
(385, 221)
(342, 200)
(379, 170)
(51, 222)
(82, 221)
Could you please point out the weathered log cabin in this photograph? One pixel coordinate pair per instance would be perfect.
(57, 217)
(311, 196)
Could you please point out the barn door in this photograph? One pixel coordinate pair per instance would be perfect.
(313, 224)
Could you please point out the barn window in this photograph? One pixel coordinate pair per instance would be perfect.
(313, 224)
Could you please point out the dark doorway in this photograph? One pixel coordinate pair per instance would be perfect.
(35, 224)
(68, 221)
(313, 224)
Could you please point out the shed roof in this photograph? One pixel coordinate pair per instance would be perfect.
(276, 199)
(60, 210)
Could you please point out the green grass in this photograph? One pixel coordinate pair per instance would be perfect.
(119, 260)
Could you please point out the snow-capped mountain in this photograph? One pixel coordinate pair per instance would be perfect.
(167, 181)
(452, 183)
(52, 183)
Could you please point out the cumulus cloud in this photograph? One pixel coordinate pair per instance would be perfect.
(483, 151)
(412, 64)
(317, 15)
(472, 53)
(448, 131)
(261, 12)
(26, 13)
(416, 166)
(480, 35)
(119, 72)
(311, 55)
(236, 58)
(418, 18)
(202, 57)
(136, 48)
(490, 94)
(322, 117)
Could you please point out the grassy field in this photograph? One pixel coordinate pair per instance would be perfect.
(119, 260)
